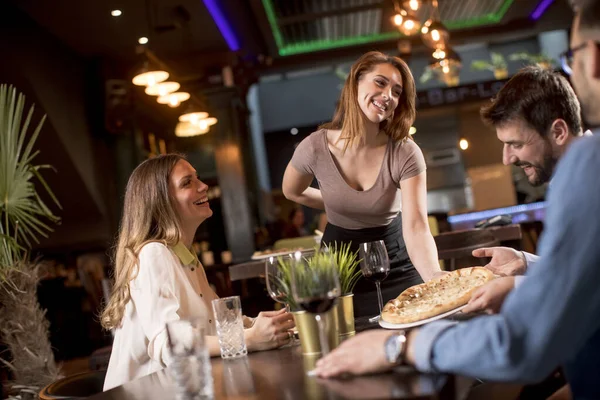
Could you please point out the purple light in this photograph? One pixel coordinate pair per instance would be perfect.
(222, 24)
(540, 9)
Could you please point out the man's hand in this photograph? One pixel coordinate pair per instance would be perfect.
(505, 261)
(489, 297)
(360, 355)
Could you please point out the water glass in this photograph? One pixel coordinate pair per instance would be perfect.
(190, 365)
(230, 326)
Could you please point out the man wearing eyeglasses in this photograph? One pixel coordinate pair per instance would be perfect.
(553, 317)
(582, 61)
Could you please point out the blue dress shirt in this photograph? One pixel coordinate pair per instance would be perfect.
(553, 317)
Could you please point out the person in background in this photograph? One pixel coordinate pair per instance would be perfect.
(295, 224)
(536, 115)
(158, 277)
(371, 175)
(553, 317)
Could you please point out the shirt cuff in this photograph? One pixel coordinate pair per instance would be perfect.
(424, 342)
(530, 259)
(519, 279)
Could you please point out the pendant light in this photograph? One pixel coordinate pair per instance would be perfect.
(187, 129)
(412, 5)
(434, 33)
(173, 99)
(162, 89)
(148, 76)
(193, 116)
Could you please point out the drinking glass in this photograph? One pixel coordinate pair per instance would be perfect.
(276, 285)
(190, 366)
(316, 288)
(375, 267)
(230, 326)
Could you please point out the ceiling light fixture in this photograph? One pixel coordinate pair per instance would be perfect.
(143, 40)
(148, 76)
(162, 89)
(116, 13)
(186, 129)
(173, 99)
(193, 117)
(205, 123)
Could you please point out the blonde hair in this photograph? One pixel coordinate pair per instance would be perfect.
(148, 216)
(349, 117)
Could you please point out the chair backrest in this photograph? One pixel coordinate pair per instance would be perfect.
(460, 245)
(302, 242)
(78, 386)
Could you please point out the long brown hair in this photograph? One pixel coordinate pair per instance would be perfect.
(349, 117)
(148, 216)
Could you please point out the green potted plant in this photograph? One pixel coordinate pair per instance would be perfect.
(541, 59)
(307, 326)
(496, 64)
(349, 273)
(450, 79)
(342, 314)
(23, 218)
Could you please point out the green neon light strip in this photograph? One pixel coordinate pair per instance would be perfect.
(317, 45)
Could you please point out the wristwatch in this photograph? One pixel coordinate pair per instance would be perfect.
(395, 347)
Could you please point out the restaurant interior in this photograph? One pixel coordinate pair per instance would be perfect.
(248, 80)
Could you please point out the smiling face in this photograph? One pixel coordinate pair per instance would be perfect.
(526, 148)
(379, 91)
(189, 194)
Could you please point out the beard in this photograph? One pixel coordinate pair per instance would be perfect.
(543, 171)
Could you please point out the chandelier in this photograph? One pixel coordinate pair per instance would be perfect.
(408, 16)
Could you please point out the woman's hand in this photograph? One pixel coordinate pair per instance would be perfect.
(270, 330)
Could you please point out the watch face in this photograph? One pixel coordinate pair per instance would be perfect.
(392, 348)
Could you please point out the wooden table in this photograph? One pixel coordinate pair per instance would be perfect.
(280, 374)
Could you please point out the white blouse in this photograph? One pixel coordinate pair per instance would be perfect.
(170, 285)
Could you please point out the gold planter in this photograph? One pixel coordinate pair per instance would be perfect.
(345, 315)
(308, 330)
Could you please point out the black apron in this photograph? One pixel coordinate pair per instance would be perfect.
(402, 273)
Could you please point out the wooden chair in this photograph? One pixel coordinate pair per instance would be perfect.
(458, 246)
(78, 386)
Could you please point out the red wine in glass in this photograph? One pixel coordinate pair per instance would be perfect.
(317, 305)
(375, 267)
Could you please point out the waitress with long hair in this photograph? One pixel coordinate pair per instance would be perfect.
(371, 176)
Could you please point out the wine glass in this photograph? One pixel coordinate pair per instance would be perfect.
(316, 287)
(375, 267)
(276, 285)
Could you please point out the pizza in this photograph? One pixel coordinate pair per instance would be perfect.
(436, 296)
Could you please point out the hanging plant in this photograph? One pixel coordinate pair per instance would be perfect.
(496, 64)
(541, 59)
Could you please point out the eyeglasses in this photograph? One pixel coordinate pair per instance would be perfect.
(566, 58)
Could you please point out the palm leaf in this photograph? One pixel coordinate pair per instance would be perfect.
(23, 214)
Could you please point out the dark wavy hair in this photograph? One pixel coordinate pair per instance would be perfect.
(537, 96)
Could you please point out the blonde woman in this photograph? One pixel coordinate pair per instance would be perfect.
(159, 279)
(371, 176)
